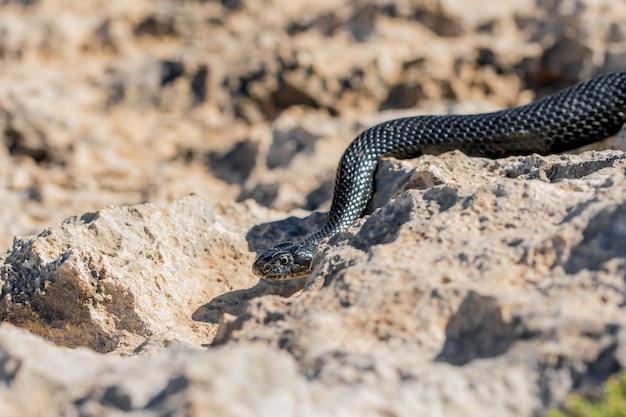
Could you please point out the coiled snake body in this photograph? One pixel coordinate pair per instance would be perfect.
(584, 113)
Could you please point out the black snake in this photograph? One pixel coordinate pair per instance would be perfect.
(584, 113)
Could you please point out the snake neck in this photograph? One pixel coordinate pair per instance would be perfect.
(584, 113)
(353, 190)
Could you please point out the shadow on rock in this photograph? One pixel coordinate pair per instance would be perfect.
(603, 240)
(260, 238)
(479, 329)
(266, 235)
(234, 301)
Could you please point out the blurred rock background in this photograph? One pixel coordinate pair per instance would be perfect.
(118, 102)
(485, 288)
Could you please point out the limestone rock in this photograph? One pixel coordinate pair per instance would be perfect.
(476, 278)
(114, 278)
(474, 261)
(472, 287)
(240, 381)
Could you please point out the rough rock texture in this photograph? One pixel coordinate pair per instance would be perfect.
(137, 271)
(518, 263)
(180, 380)
(472, 288)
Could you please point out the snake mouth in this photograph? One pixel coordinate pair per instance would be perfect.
(283, 262)
(275, 273)
(261, 269)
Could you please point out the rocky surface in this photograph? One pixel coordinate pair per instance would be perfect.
(149, 149)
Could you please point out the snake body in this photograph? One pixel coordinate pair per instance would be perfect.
(581, 114)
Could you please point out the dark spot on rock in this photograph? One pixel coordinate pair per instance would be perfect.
(199, 84)
(287, 144)
(17, 146)
(170, 71)
(478, 330)
(263, 194)
(115, 396)
(231, 4)
(156, 25)
(235, 165)
(320, 195)
(402, 96)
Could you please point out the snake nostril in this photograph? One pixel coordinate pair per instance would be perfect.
(260, 268)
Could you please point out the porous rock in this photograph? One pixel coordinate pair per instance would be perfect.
(474, 287)
(114, 278)
(516, 262)
(40, 379)
(467, 294)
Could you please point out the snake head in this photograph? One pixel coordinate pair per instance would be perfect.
(288, 260)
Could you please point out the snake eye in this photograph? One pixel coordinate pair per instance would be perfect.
(283, 260)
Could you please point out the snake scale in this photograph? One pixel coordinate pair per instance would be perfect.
(581, 114)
